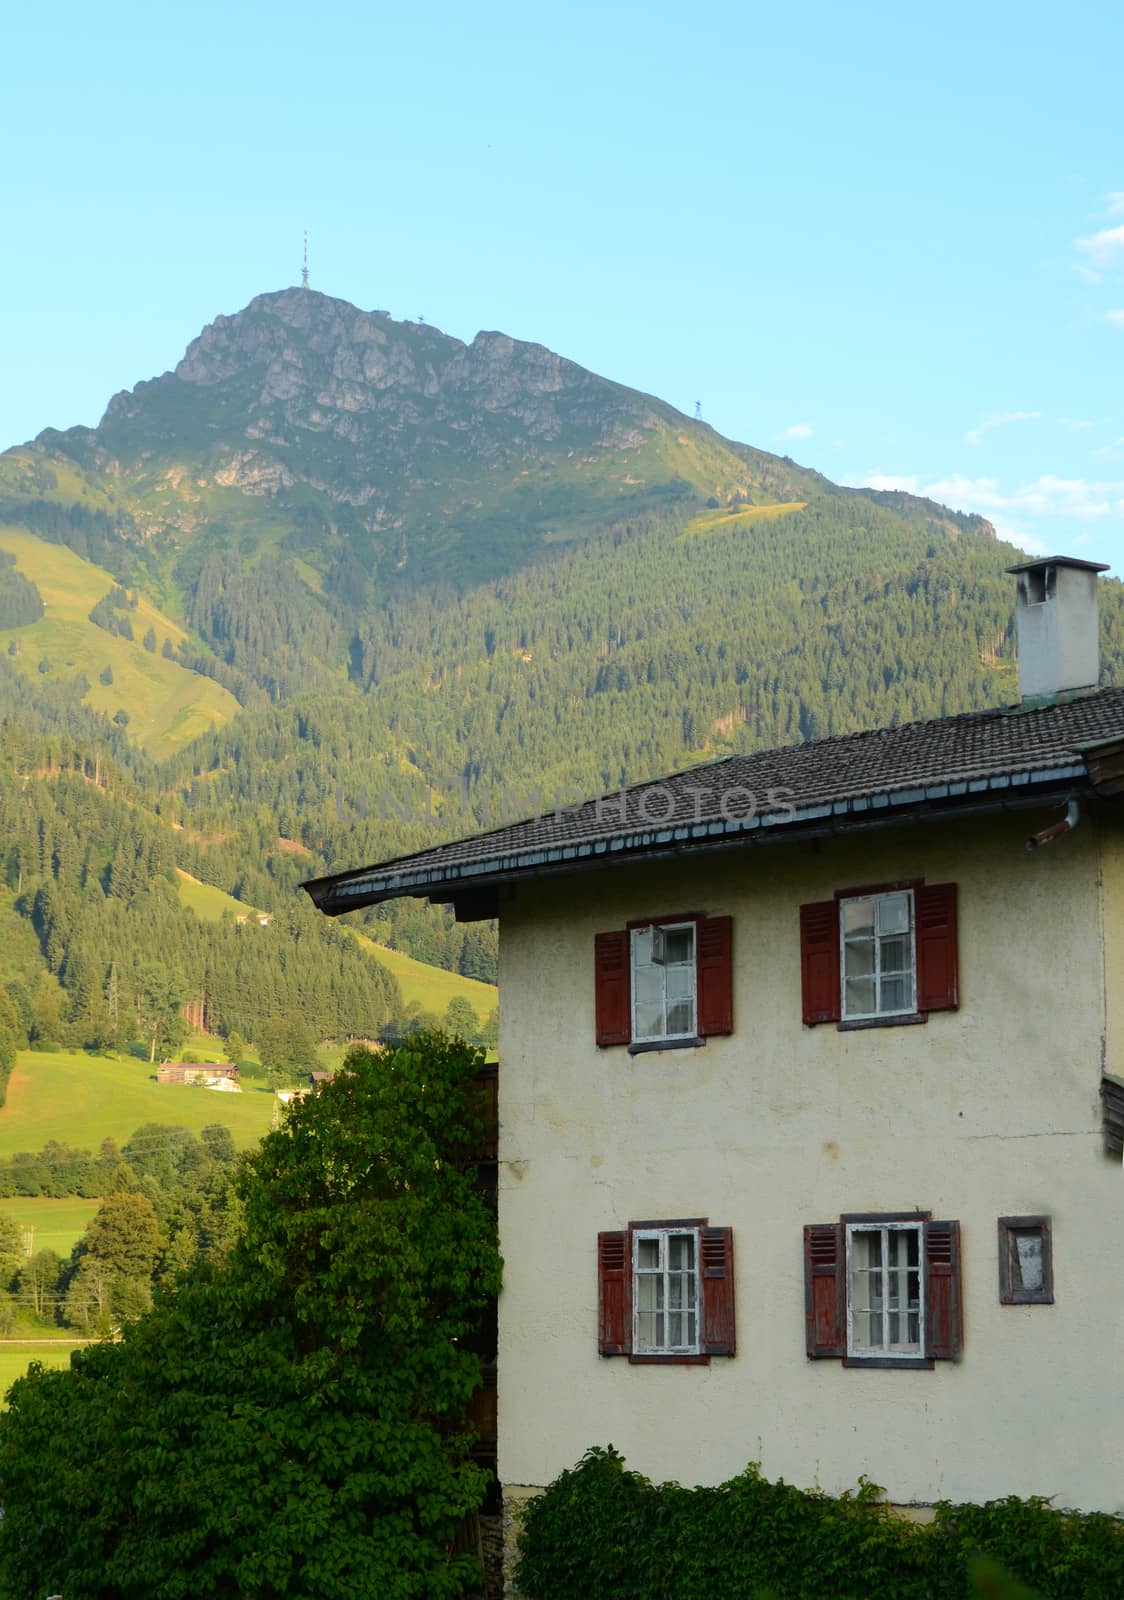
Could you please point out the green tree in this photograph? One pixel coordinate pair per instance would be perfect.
(325, 1369)
(163, 994)
(106, 675)
(125, 1234)
(11, 1250)
(149, 641)
(461, 1019)
(39, 1282)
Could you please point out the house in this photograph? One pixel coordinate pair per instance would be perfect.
(211, 1074)
(812, 1100)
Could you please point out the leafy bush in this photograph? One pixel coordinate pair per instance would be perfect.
(601, 1532)
(290, 1421)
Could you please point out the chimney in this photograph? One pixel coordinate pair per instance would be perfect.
(1056, 617)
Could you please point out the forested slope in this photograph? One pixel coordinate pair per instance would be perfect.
(426, 586)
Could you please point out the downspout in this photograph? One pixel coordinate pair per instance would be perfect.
(1067, 825)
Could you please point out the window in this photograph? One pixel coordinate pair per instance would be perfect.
(1026, 1264)
(876, 946)
(665, 1292)
(665, 1301)
(664, 982)
(883, 1290)
(880, 955)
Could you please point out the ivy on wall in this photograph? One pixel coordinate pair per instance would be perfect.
(600, 1532)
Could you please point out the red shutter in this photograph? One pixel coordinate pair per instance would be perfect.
(717, 1246)
(613, 987)
(716, 983)
(823, 1288)
(819, 961)
(944, 1314)
(937, 982)
(614, 1294)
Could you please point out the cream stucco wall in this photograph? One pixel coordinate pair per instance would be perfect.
(989, 1111)
(1112, 867)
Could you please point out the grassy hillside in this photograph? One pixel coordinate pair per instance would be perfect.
(57, 1224)
(431, 987)
(206, 901)
(80, 1100)
(168, 705)
(16, 1356)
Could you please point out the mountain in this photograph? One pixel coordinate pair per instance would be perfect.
(338, 587)
(347, 436)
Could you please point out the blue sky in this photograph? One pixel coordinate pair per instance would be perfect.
(885, 239)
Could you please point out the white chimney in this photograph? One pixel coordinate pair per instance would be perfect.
(1056, 616)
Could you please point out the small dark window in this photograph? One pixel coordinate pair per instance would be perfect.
(1026, 1265)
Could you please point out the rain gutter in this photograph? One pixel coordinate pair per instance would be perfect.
(965, 797)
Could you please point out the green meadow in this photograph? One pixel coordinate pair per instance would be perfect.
(168, 706)
(81, 1100)
(16, 1355)
(431, 987)
(54, 1224)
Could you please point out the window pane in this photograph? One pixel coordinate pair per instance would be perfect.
(895, 994)
(649, 1022)
(893, 913)
(647, 1253)
(642, 946)
(649, 986)
(681, 1249)
(1028, 1258)
(679, 1018)
(858, 957)
(895, 954)
(860, 997)
(858, 916)
(679, 945)
(680, 983)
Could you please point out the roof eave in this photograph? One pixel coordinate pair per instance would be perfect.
(351, 891)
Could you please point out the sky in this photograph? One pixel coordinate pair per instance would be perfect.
(884, 239)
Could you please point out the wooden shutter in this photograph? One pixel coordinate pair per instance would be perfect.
(823, 1288)
(819, 961)
(937, 981)
(614, 1294)
(944, 1316)
(715, 974)
(717, 1249)
(613, 987)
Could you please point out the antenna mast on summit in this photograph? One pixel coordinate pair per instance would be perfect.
(304, 268)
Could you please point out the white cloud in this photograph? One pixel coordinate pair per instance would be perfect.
(1075, 424)
(999, 419)
(1115, 203)
(1087, 273)
(1116, 317)
(1103, 246)
(1045, 496)
(1116, 448)
(910, 484)
(798, 430)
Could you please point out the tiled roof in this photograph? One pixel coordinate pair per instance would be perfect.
(1003, 754)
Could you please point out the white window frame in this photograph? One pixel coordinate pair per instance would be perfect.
(908, 1010)
(664, 1235)
(665, 927)
(885, 1352)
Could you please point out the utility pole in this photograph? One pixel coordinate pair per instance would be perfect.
(304, 268)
